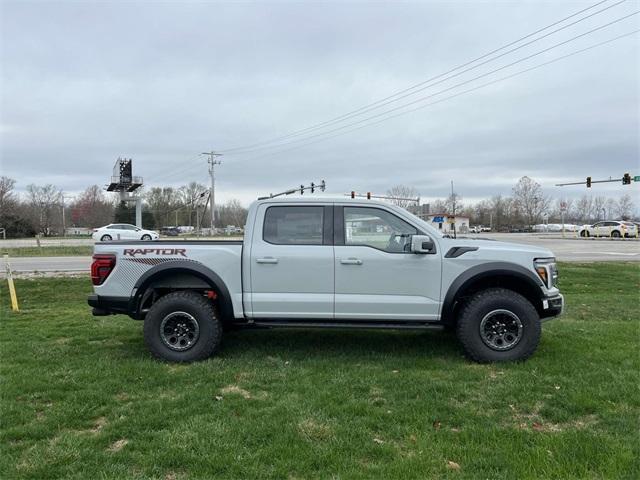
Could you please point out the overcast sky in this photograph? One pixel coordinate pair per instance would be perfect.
(86, 82)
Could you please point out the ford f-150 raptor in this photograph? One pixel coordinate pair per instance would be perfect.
(329, 263)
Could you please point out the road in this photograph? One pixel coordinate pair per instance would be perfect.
(84, 241)
(572, 249)
(49, 264)
(566, 250)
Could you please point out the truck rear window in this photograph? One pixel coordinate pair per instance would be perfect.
(293, 225)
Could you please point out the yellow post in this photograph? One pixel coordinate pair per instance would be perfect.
(12, 288)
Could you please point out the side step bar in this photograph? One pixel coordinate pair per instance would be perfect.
(348, 324)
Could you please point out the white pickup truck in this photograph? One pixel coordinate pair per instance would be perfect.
(329, 263)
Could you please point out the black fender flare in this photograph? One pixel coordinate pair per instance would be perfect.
(182, 266)
(487, 270)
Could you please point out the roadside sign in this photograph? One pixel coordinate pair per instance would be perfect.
(636, 178)
(438, 219)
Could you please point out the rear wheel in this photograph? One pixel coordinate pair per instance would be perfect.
(584, 233)
(498, 325)
(182, 327)
(105, 238)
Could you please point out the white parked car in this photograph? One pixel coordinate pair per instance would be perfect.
(122, 231)
(610, 228)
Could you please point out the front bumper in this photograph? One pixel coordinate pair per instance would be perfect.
(552, 307)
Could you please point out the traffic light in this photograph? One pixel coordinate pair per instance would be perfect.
(588, 182)
(626, 179)
(313, 187)
(353, 194)
(368, 195)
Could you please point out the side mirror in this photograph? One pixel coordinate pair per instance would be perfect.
(422, 244)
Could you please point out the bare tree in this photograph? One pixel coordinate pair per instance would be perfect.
(44, 203)
(232, 213)
(164, 203)
(453, 204)
(7, 198)
(584, 208)
(401, 193)
(599, 210)
(91, 208)
(611, 208)
(438, 206)
(625, 207)
(483, 212)
(530, 199)
(190, 194)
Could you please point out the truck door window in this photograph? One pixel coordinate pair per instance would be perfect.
(293, 225)
(377, 228)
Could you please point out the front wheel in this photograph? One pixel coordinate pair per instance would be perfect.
(584, 233)
(615, 234)
(498, 325)
(146, 237)
(182, 327)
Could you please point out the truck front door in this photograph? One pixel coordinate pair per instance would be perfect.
(291, 262)
(377, 277)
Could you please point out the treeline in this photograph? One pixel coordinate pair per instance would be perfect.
(528, 205)
(46, 210)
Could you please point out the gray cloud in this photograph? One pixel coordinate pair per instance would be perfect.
(83, 83)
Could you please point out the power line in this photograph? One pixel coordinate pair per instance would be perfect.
(187, 204)
(403, 93)
(521, 72)
(422, 99)
(171, 171)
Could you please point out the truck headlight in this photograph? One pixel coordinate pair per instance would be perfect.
(547, 271)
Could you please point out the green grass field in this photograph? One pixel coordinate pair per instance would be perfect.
(81, 398)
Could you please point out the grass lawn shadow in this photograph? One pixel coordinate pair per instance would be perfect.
(340, 343)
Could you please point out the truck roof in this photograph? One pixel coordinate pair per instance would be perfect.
(320, 199)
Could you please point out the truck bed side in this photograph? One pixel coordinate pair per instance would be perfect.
(138, 261)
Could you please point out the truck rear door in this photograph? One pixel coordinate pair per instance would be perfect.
(291, 261)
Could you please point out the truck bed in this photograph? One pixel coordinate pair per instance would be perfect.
(136, 258)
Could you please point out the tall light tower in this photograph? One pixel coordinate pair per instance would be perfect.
(212, 163)
(125, 184)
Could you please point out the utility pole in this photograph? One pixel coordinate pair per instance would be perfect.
(453, 207)
(212, 163)
(62, 197)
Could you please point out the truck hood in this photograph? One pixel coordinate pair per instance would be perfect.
(489, 245)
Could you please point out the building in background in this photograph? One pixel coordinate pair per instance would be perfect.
(420, 211)
(444, 223)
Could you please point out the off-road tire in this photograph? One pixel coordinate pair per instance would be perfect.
(146, 237)
(106, 238)
(196, 305)
(479, 305)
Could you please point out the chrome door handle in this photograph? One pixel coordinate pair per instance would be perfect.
(351, 261)
(267, 260)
